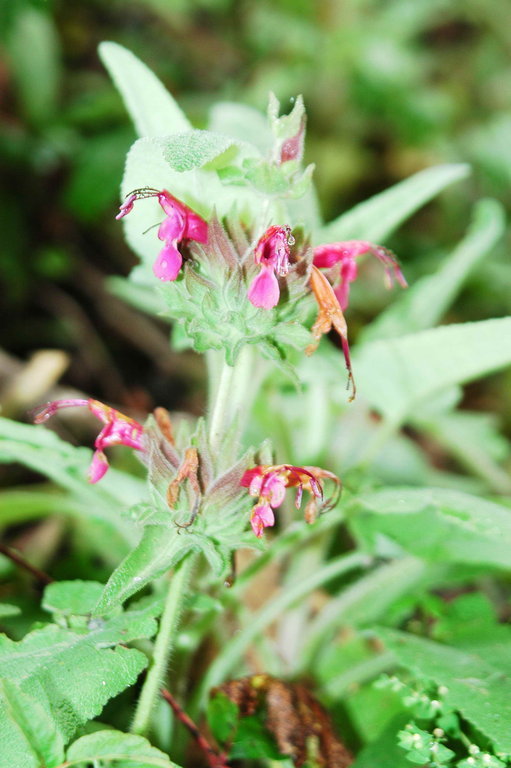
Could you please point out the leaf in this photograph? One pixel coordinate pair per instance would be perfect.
(194, 149)
(243, 123)
(376, 218)
(109, 746)
(74, 673)
(425, 303)
(477, 689)
(72, 598)
(151, 107)
(28, 734)
(398, 376)
(160, 548)
(436, 524)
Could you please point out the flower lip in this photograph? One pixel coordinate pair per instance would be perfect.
(272, 253)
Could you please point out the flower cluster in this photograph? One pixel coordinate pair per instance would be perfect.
(118, 430)
(180, 224)
(269, 483)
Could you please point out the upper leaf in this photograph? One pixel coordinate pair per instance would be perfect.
(114, 746)
(376, 218)
(151, 107)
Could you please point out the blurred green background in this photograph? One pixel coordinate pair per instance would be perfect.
(391, 87)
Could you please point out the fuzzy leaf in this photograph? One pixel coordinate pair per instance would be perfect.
(425, 303)
(398, 376)
(115, 746)
(243, 123)
(436, 524)
(376, 218)
(194, 149)
(480, 691)
(74, 673)
(28, 734)
(160, 548)
(151, 107)
(72, 598)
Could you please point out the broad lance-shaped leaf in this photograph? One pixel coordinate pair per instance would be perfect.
(73, 674)
(29, 737)
(115, 746)
(151, 107)
(436, 524)
(72, 598)
(398, 376)
(376, 218)
(476, 688)
(160, 548)
(426, 302)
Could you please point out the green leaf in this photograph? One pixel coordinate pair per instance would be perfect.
(223, 716)
(34, 56)
(243, 123)
(160, 548)
(436, 524)
(385, 752)
(74, 673)
(72, 598)
(477, 689)
(398, 376)
(376, 218)
(194, 149)
(115, 746)
(28, 734)
(151, 107)
(425, 303)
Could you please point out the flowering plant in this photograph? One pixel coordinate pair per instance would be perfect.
(246, 272)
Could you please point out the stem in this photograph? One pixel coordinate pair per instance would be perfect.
(214, 757)
(235, 648)
(41, 576)
(221, 414)
(163, 646)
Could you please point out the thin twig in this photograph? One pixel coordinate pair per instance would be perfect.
(215, 758)
(22, 563)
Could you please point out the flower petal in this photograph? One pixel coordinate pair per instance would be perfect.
(262, 517)
(169, 262)
(172, 227)
(264, 291)
(98, 467)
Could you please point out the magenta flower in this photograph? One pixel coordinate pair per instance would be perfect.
(345, 253)
(269, 483)
(272, 253)
(118, 430)
(180, 224)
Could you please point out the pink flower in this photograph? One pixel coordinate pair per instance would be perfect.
(345, 253)
(272, 253)
(180, 224)
(269, 483)
(118, 430)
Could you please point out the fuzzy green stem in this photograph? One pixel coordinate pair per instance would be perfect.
(163, 646)
(233, 651)
(221, 414)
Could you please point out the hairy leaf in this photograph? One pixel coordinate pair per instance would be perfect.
(151, 107)
(68, 598)
(398, 376)
(425, 303)
(436, 524)
(376, 218)
(117, 747)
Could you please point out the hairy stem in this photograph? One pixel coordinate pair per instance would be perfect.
(163, 646)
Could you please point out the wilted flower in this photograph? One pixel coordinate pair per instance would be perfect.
(329, 315)
(118, 430)
(269, 483)
(345, 254)
(180, 224)
(272, 253)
